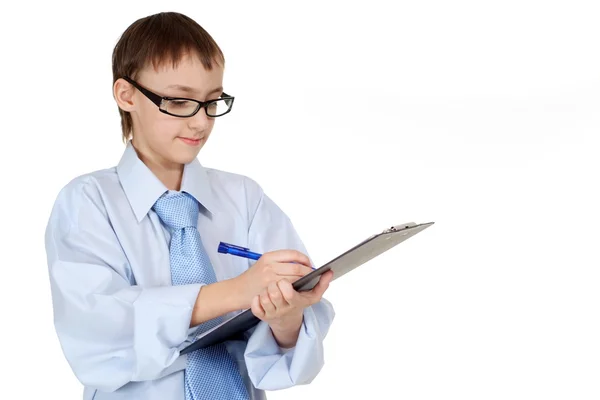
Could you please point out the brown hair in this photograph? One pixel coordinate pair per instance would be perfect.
(157, 39)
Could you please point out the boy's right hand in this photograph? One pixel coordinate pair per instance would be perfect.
(271, 267)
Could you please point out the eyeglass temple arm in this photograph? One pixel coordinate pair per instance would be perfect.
(156, 99)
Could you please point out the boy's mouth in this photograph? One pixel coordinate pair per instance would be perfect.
(191, 142)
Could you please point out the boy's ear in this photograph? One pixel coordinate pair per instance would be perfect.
(123, 94)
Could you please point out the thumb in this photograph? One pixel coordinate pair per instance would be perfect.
(319, 289)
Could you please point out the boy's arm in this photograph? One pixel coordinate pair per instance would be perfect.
(112, 332)
(271, 367)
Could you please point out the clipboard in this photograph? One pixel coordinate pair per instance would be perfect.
(341, 265)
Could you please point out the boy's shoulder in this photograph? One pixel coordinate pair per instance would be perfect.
(88, 185)
(88, 180)
(83, 193)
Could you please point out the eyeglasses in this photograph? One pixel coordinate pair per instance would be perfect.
(184, 107)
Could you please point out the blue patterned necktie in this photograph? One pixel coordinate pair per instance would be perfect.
(211, 373)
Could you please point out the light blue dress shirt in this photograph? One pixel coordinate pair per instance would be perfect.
(121, 323)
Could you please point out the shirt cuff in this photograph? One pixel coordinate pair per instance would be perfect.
(271, 367)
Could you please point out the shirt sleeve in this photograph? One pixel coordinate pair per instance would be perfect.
(111, 331)
(269, 366)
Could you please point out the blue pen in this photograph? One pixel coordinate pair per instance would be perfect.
(232, 249)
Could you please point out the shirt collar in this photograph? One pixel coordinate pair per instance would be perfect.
(143, 188)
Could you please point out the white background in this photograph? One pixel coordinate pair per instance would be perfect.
(480, 116)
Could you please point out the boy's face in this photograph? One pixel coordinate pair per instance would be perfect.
(166, 139)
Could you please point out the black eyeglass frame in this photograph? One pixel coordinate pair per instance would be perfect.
(157, 99)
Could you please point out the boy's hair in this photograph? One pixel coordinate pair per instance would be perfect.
(156, 40)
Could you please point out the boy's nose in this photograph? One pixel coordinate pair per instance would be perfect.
(199, 121)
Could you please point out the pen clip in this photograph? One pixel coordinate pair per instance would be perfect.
(223, 247)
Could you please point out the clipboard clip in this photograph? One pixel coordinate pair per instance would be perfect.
(400, 227)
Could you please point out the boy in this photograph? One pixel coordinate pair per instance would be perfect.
(134, 270)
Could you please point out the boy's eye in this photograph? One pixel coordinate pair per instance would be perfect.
(181, 103)
(180, 107)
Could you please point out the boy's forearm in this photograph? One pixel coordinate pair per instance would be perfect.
(215, 300)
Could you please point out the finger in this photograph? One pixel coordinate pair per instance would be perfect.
(288, 292)
(277, 297)
(290, 279)
(326, 278)
(323, 283)
(287, 256)
(314, 295)
(291, 270)
(265, 302)
(256, 308)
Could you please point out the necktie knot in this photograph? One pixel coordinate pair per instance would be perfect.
(177, 210)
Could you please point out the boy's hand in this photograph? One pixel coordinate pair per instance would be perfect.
(282, 307)
(270, 269)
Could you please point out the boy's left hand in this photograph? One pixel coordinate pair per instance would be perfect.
(282, 307)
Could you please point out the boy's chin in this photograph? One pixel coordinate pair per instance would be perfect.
(183, 155)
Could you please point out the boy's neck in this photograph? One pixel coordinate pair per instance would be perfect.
(171, 178)
(170, 174)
